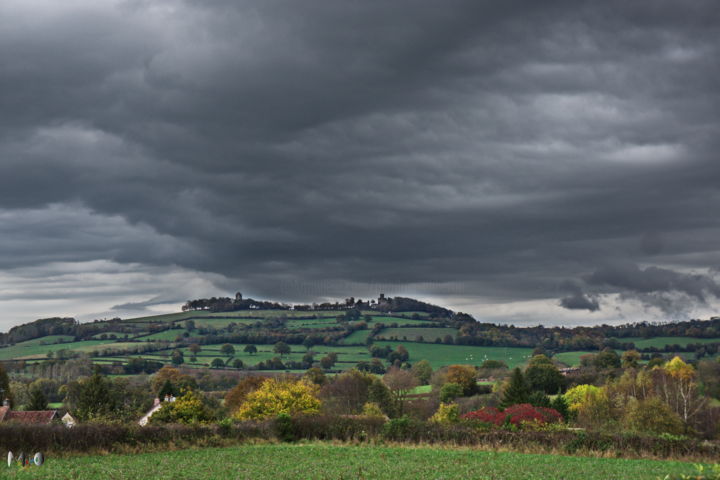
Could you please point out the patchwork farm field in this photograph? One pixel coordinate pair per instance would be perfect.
(140, 338)
(441, 355)
(325, 461)
(346, 354)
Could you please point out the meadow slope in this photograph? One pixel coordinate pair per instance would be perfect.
(327, 461)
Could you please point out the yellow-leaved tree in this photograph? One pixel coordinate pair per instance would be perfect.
(590, 405)
(275, 397)
(188, 409)
(579, 395)
(678, 388)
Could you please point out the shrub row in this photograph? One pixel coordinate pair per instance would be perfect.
(103, 437)
(99, 437)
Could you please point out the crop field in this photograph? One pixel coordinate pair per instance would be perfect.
(324, 461)
(441, 355)
(411, 333)
(661, 342)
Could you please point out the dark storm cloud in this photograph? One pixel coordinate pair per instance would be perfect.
(485, 149)
(653, 279)
(578, 300)
(671, 291)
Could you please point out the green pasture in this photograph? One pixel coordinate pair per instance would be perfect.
(410, 334)
(165, 335)
(421, 389)
(661, 342)
(21, 351)
(440, 355)
(47, 340)
(327, 461)
(358, 337)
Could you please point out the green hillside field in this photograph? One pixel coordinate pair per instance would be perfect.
(326, 461)
(440, 355)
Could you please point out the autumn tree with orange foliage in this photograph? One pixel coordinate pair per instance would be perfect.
(465, 376)
(178, 379)
(238, 394)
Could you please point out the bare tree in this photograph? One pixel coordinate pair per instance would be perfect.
(400, 382)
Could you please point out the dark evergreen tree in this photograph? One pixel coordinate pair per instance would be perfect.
(560, 404)
(38, 401)
(539, 399)
(167, 389)
(94, 399)
(517, 390)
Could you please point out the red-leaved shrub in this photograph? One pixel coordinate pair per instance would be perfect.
(516, 414)
(487, 415)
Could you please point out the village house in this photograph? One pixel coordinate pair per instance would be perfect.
(157, 405)
(38, 417)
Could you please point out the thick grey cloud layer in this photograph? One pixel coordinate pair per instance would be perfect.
(479, 151)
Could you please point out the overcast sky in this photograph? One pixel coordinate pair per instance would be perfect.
(549, 162)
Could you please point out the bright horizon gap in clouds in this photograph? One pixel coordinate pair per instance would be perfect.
(528, 162)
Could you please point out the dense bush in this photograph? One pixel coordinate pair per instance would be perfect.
(91, 437)
(516, 415)
(446, 413)
(275, 397)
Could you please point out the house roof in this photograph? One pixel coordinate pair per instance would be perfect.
(3, 411)
(33, 417)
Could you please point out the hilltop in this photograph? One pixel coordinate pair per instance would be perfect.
(246, 334)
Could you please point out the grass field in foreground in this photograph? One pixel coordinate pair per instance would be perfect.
(325, 461)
